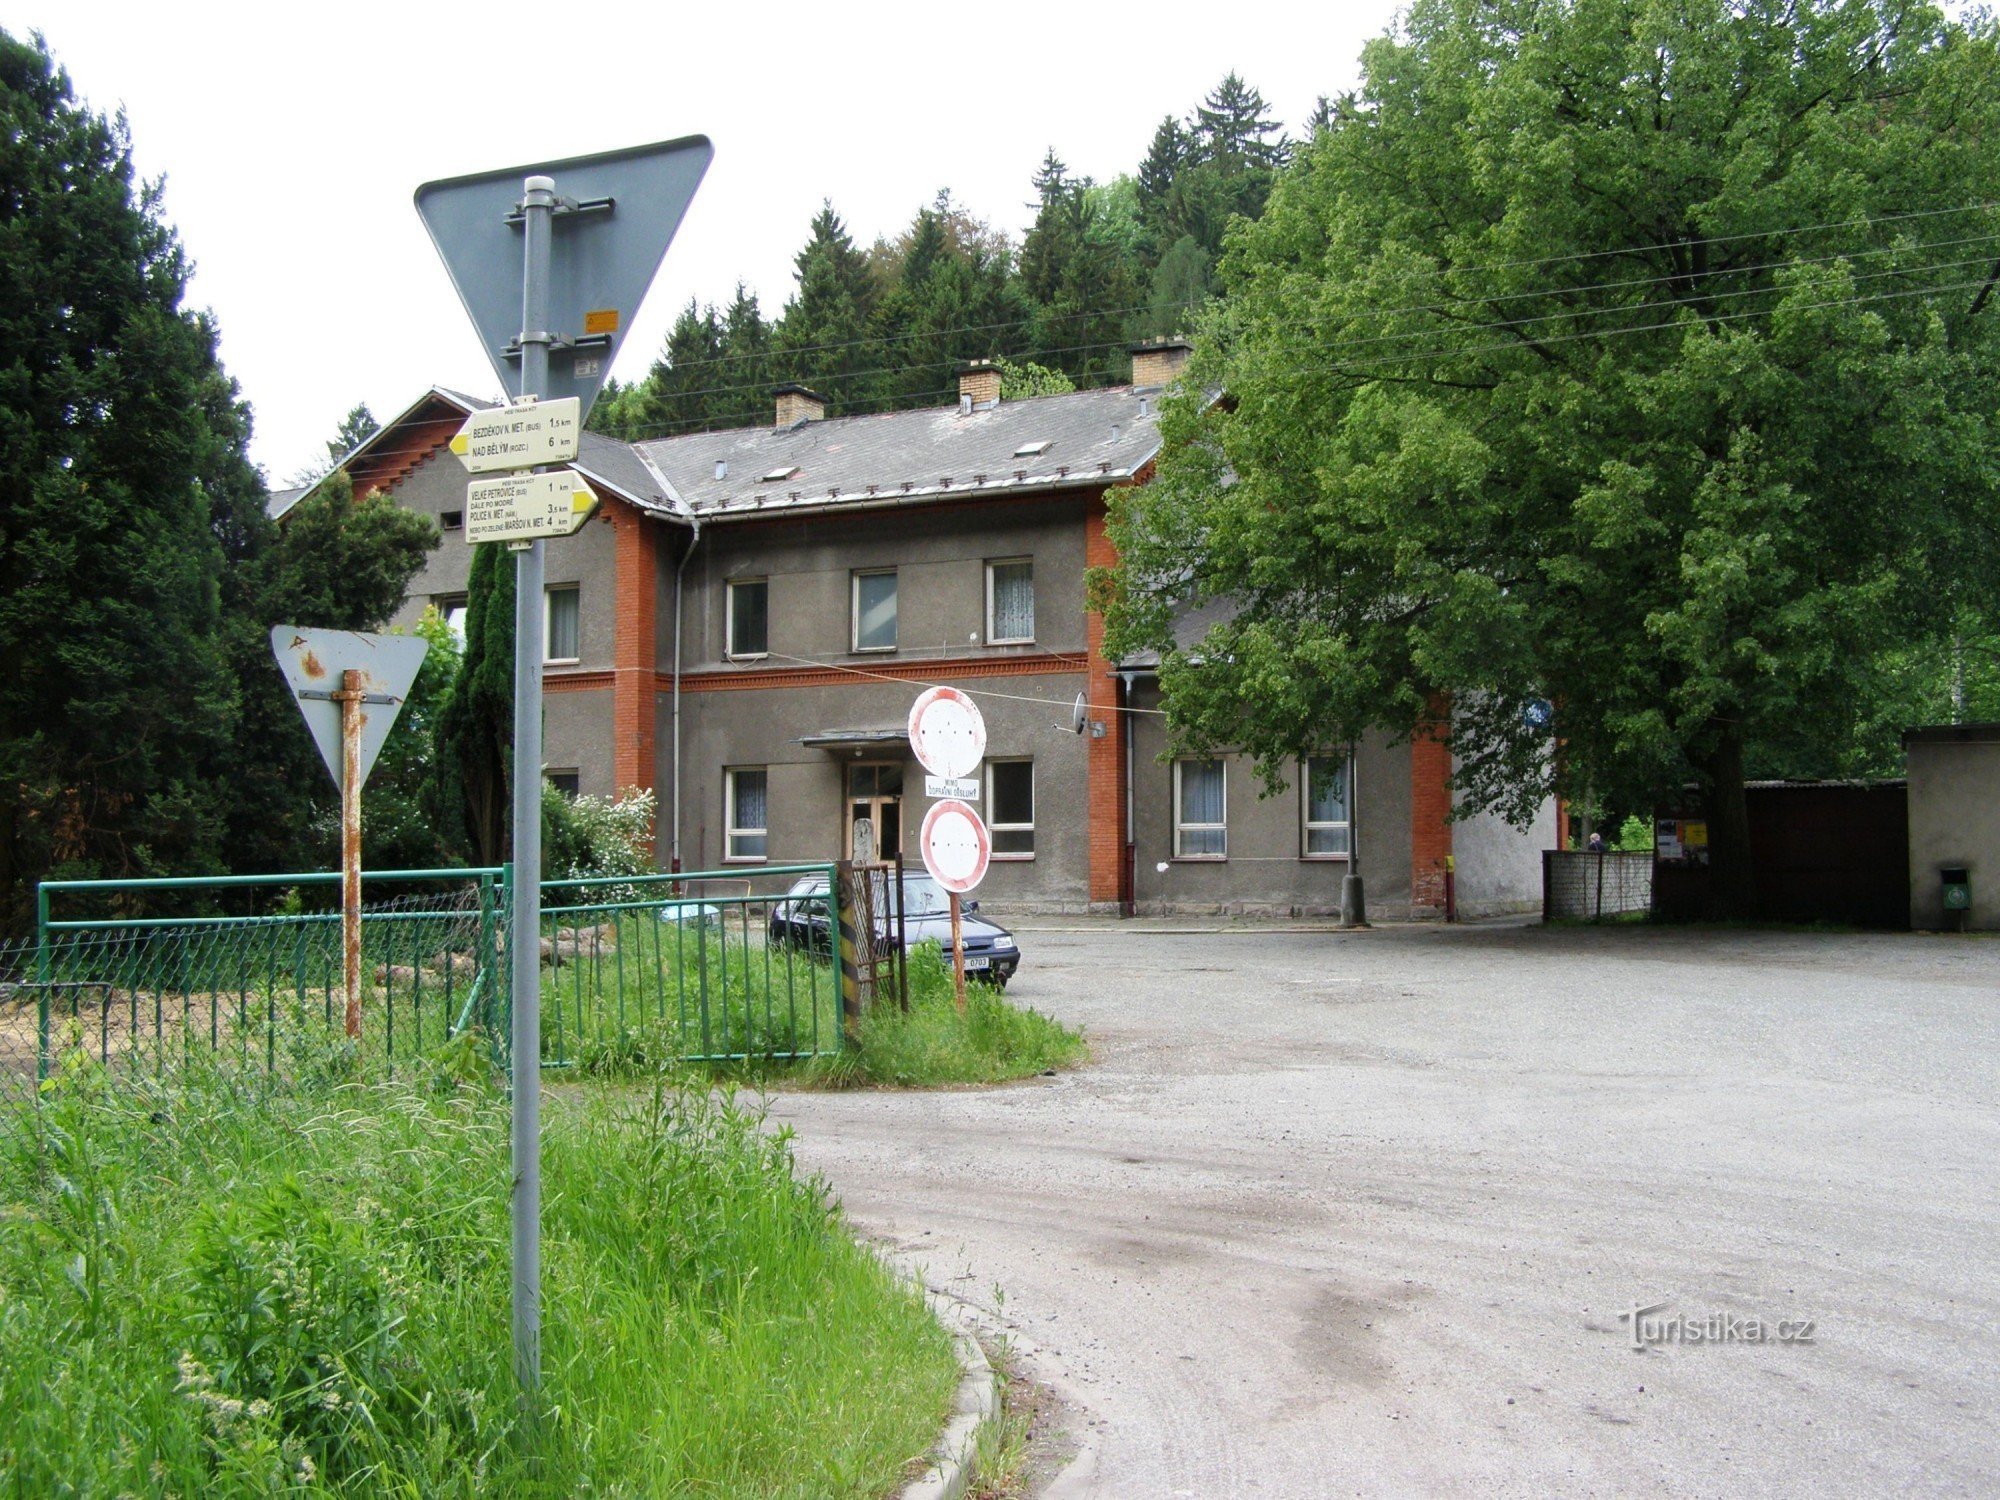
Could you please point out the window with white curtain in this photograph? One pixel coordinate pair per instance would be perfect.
(875, 610)
(1201, 812)
(1326, 785)
(561, 617)
(1010, 602)
(748, 815)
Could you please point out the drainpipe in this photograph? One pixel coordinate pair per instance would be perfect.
(672, 497)
(680, 572)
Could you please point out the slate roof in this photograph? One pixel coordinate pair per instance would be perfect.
(894, 458)
(278, 502)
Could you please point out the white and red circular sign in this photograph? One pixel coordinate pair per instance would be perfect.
(947, 732)
(955, 845)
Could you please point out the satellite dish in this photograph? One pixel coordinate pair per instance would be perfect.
(1079, 715)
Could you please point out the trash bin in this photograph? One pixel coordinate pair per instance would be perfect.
(1956, 881)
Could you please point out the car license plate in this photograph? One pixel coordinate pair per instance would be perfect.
(977, 963)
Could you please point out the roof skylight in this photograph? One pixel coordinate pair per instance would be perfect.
(781, 474)
(1032, 450)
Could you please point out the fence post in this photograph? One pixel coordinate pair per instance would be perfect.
(902, 938)
(1599, 917)
(41, 982)
(483, 968)
(1548, 880)
(842, 892)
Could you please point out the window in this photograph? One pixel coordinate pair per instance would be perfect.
(566, 782)
(1200, 810)
(1010, 602)
(559, 640)
(1324, 784)
(748, 814)
(749, 616)
(452, 607)
(875, 611)
(1010, 804)
(451, 520)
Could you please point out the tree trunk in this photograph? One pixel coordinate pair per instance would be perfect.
(1732, 883)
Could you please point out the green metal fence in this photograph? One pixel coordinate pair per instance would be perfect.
(701, 966)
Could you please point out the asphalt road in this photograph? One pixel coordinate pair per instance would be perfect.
(1336, 1214)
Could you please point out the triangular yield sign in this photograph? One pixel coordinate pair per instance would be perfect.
(621, 211)
(313, 661)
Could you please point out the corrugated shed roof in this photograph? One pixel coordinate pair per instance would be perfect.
(1084, 437)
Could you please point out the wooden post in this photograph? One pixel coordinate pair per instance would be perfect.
(350, 696)
(958, 952)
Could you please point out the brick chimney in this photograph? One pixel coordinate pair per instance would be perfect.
(979, 385)
(797, 404)
(1158, 361)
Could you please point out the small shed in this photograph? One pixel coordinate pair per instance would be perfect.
(1822, 851)
(1954, 823)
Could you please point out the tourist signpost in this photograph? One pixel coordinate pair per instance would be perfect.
(948, 735)
(551, 262)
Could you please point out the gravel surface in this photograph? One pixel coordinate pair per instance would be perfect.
(1339, 1214)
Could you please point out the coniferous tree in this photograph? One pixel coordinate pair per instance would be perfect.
(475, 727)
(123, 442)
(826, 338)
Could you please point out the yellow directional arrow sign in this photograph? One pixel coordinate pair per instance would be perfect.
(520, 436)
(522, 507)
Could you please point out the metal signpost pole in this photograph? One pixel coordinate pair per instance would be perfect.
(350, 696)
(538, 202)
(958, 951)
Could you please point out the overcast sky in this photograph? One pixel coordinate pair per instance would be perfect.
(292, 138)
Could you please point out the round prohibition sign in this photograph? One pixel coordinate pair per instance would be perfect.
(947, 732)
(955, 846)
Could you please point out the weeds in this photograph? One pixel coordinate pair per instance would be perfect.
(222, 1283)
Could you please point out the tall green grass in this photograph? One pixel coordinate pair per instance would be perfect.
(933, 1043)
(215, 1283)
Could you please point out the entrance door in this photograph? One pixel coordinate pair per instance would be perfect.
(874, 795)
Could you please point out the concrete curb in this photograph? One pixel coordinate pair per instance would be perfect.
(975, 1404)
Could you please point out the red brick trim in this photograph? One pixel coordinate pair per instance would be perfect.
(931, 670)
(1430, 807)
(577, 682)
(635, 646)
(1107, 755)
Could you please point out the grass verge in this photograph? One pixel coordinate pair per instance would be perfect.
(933, 1043)
(217, 1283)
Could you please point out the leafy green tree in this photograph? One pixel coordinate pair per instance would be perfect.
(475, 726)
(337, 563)
(122, 449)
(1019, 381)
(1615, 353)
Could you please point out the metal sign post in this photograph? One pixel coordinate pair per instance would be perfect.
(576, 297)
(538, 204)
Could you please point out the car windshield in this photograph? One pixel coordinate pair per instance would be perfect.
(924, 897)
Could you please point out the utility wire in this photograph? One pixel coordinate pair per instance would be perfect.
(1440, 270)
(806, 661)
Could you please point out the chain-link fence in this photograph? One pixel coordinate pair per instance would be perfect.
(636, 971)
(1583, 885)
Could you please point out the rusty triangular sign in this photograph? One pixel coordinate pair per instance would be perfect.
(313, 662)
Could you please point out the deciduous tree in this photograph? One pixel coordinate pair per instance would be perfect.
(1639, 356)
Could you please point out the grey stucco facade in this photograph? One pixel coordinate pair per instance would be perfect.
(1954, 792)
(656, 696)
